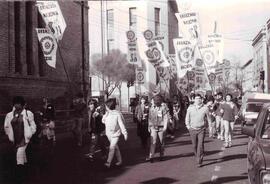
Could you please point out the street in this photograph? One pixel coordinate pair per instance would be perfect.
(220, 165)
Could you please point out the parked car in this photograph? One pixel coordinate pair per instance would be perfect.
(251, 106)
(258, 150)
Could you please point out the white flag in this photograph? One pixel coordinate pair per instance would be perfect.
(156, 55)
(209, 57)
(184, 50)
(52, 16)
(188, 24)
(133, 55)
(48, 45)
(218, 42)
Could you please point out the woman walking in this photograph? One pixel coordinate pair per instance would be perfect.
(141, 114)
(114, 127)
(229, 114)
(20, 126)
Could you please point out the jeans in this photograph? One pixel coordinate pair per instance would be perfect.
(197, 138)
(228, 127)
(114, 149)
(157, 134)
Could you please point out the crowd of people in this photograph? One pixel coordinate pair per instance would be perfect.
(156, 118)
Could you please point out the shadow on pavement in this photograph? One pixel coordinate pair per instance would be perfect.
(224, 159)
(229, 179)
(161, 180)
(182, 143)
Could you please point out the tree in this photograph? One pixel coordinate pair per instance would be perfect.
(113, 69)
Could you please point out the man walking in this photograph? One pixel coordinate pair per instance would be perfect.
(195, 123)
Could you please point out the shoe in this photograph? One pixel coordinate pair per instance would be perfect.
(161, 158)
(118, 163)
(172, 136)
(226, 145)
(199, 165)
(149, 159)
(107, 165)
(230, 144)
(222, 138)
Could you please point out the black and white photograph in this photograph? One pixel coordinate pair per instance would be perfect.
(135, 92)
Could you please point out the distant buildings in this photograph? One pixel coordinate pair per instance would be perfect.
(261, 75)
(108, 23)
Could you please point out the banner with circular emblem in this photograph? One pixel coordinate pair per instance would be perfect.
(48, 45)
(133, 54)
(218, 42)
(184, 56)
(208, 54)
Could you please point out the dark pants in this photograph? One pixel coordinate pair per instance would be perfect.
(98, 140)
(197, 138)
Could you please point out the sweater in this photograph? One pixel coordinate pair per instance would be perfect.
(114, 124)
(195, 117)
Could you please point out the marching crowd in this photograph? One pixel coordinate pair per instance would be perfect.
(156, 118)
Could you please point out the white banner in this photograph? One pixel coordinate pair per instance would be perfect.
(133, 56)
(156, 55)
(188, 24)
(184, 50)
(218, 42)
(209, 57)
(48, 45)
(140, 76)
(52, 16)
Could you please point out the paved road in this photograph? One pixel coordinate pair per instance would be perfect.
(220, 165)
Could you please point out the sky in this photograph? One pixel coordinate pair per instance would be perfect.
(239, 21)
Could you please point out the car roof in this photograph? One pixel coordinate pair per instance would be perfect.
(257, 96)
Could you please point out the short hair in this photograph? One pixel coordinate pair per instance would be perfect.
(211, 98)
(220, 94)
(229, 94)
(111, 103)
(158, 99)
(198, 95)
(92, 101)
(18, 100)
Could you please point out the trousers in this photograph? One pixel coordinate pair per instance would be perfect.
(197, 138)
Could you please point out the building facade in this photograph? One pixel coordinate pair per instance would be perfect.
(108, 23)
(260, 62)
(23, 70)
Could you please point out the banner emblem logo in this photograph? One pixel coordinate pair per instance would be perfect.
(185, 54)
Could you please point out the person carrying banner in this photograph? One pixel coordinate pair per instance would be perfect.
(195, 123)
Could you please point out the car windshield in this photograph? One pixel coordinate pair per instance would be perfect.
(254, 107)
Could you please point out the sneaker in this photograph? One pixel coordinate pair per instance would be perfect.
(222, 138)
(230, 144)
(226, 145)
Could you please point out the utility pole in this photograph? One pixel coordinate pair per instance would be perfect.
(83, 51)
(102, 37)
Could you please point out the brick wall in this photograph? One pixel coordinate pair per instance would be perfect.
(54, 83)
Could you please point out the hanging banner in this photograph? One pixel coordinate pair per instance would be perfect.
(209, 55)
(188, 24)
(140, 76)
(52, 16)
(184, 55)
(218, 42)
(156, 55)
(132, 56)
(173, 67)
(48, 45)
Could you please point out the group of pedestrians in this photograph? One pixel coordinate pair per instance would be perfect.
(156, 119)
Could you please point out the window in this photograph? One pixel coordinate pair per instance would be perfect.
(110, 30)
(18, 65)
(29, 37)
(266, 126)
(132, 19)
(157, 21)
